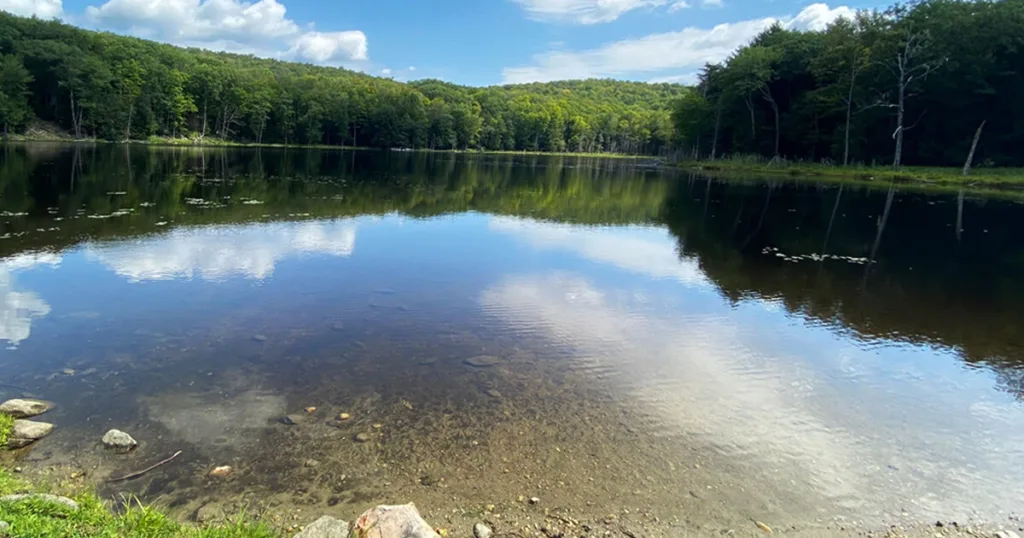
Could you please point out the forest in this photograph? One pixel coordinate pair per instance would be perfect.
(917, 84)
(94, 85)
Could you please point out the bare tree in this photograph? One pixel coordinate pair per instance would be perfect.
(912, 65)
(974, 147)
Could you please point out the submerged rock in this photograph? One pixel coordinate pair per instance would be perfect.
(221, 472)
(402, 521)
(482, 531)
(119, 441)
(362, 438)
(40, 497)
(482, 361)
(25, 408)
(290, 420)
(259, 338)
(26, 432)
(325, 527)
(209, 513)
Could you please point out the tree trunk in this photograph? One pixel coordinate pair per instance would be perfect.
(718, 123)
(128, 126)
(974, 146)
(898, 156)
(206, 102)
(849, 120)
(753, 126)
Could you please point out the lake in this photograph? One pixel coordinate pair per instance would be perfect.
(608, 336)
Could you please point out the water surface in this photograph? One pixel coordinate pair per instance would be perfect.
(692, 352)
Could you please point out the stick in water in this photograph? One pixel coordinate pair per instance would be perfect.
(144, 471)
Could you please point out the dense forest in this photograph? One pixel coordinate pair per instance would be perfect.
(105, 86)
(914, 84)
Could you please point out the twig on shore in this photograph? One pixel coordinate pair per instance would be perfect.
(144, 471)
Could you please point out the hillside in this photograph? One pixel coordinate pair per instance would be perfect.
(111, 87)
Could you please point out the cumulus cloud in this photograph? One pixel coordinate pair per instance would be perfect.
(217, 253)
(18, 308)
(44, 9)
(262, 28)
(323, 47)
(685, 50)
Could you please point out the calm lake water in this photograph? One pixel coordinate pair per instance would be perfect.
(694, 353)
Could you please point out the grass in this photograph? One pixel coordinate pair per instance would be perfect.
(6, 425)
(949, 176)
(94, 519)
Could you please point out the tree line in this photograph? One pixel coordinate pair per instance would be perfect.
(923, 83)
(118, 88)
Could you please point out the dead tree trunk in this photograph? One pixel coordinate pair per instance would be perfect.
(974, 146)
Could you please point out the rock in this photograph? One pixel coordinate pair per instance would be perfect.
(493, 393)
(209, 513)
(20, 408)
(482, 531)
(534, 500)
(26, 432)
(310, 410)
(362, 438)
(482, 361)
(290, 420)
(402, 521)
(259, 338)
(5, 529)
(40, 497)
(344, 416)
(764, 528)
(221, 472)
(119, 441)
(325, 527)
(312, 463)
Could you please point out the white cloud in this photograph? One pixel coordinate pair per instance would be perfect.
(583, 11)
(217, 253)
(323, 47)
(642, 250)
(687, 49)
(18, 309)
(676, 6)
(686, 78)
(260, 28)
(44, 9)
(412, 68)
(386, 71)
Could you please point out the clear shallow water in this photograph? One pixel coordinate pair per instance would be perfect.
(665, 343)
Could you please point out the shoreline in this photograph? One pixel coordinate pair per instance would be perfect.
(1005, 178)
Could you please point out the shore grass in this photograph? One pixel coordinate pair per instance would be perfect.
(94, 519)
(6, 426)
(991, 177)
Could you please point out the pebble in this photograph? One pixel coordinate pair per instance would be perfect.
(428, 361)
(290, 420)
(482, 531)
(221, 472)
(362, 438)
(310, 410)
(534, 500)
(259, 338)
(344, 416)
(493, 393)
(765, 528)
(312, 463)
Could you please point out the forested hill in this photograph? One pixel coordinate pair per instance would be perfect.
(101, 85)
(909, 85)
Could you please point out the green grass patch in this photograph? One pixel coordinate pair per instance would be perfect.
(6, 425)
(94, 519)
(949, 176)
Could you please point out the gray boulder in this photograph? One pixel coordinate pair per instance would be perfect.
(209, 513)
(26, 432)
(25, 408)
(119, 441)
(401, 521)
(325, 527)
(40, 497)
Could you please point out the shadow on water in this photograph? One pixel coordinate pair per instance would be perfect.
(756, 345)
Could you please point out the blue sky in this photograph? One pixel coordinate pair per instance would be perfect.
(475, 42)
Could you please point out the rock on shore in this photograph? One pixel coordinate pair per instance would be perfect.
(402, 521)
(23, 408)
(26, 432)
(325, 527)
